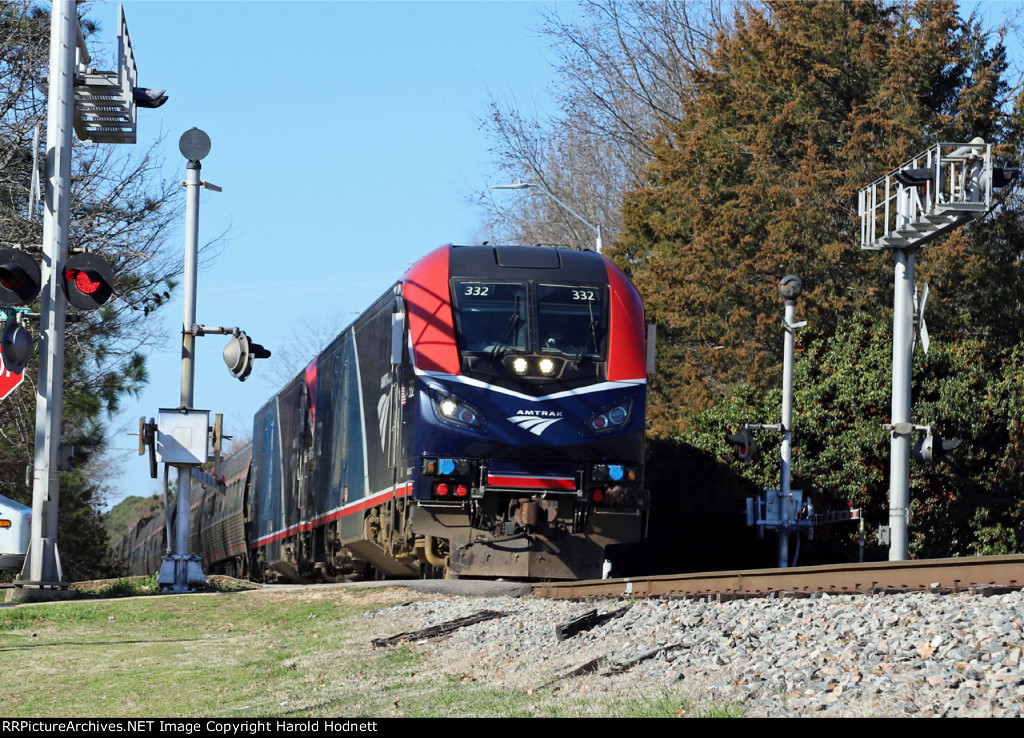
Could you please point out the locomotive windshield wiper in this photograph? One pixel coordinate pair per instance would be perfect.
(514, 321)
(592, 337)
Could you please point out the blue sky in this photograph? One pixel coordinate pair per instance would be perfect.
(346, 137)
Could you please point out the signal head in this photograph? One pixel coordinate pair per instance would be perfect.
(746, 446)
(148, 97)
(239, 355)
(88, 281)
(1003, 176)
(931, 447)
(915, 177)
(16, 346)
(20, 278)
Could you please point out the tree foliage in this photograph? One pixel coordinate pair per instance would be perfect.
(624, 69)
(798, 106)
(968, 503)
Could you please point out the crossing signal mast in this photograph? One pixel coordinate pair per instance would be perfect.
(99, 107)
(784, 510)
(939, 190)
(182, 571)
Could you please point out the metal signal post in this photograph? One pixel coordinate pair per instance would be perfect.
(785, 510)
(42, 566)
(784, 505)
(181, 571)
(100, 107)
(937, 191)
(181, 436)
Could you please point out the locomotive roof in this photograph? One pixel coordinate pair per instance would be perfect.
(527, 262)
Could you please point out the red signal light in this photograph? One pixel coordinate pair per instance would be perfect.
(9, 280)
(20, 278)
(88, 281)
(85, 284)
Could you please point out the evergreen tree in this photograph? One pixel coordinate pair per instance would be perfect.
(798, 107)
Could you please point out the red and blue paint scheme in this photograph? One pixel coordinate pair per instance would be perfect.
(485, 417)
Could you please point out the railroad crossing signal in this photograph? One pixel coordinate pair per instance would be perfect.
(16, 345)
(746, 446)
(239, 355)
(930, 447)
(15, 350)
(88, 281)
(20, 278)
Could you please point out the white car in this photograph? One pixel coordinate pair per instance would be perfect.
(15, 531)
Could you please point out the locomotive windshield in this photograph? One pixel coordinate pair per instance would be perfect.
(498, 317)
(572, 320)
(491, 316)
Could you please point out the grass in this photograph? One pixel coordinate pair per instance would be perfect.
(142, 586)
(270, 653)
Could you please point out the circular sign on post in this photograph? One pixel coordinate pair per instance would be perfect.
(194, 144)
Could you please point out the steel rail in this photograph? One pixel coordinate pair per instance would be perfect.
(981, 573)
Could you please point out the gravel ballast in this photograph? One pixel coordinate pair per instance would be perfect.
(882, 655)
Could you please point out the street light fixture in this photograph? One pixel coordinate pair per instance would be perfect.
(546, 191)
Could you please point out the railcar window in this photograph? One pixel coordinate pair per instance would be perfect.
(572, 320)
(490, 316)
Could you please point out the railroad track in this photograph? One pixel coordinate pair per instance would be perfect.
(988, 574)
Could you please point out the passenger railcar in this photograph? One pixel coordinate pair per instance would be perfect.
(485, 417)
(143, 547)
(217, 523)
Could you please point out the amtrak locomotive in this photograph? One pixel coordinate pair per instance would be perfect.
(485, 417)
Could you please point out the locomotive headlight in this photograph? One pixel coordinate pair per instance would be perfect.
(610, 417)
(520, 365)
(453, 409)
(547, 367)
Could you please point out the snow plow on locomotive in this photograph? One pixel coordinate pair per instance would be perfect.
(484, 418)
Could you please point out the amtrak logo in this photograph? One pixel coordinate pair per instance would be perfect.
(535, 421)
